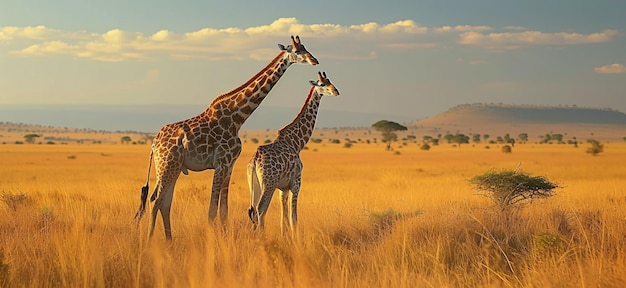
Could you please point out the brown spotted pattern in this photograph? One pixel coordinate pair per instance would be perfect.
(210, 140)
(278, 165)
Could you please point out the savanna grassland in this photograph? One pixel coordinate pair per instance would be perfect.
(367, 218)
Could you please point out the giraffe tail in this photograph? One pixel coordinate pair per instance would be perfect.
(144, 190)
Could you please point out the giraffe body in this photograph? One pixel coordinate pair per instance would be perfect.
(278, 165)
(210, 139)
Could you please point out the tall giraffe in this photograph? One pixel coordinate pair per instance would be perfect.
(278, 166)
(210, 140)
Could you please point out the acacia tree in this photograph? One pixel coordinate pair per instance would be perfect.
(125, 139)
(523, 137)
(30, 138)
(508, 187)
(388, 129)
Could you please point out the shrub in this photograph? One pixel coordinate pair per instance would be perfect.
(425, 147)
(254, 140)
(508, 187)
(596, 147)
(506, 149)
(347, 145)
(13, 201)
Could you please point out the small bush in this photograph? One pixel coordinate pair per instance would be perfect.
(506, 149)
(425, 147)
(15, 200)
(596, 147)
(347, 145)
(254, 140)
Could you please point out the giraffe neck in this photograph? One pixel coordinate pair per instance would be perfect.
(236, 106)
(298, 132)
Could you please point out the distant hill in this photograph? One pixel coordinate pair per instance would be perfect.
(149, 118)
(535, 120)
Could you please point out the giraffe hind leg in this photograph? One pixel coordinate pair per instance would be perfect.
(264, 203)
(155, 210)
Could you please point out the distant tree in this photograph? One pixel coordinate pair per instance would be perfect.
(125, 139)
(476, 138)
(428, 139)
(523, 137)
(388, 129)
(557, 137)
(596, 147)
(485, 137)
(30, 138)
(460, 139)
(624, 138)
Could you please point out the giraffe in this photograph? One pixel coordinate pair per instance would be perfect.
(278, 165)
(210, 139)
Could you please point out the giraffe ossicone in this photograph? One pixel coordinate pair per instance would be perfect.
(278, 165)
(210, 139)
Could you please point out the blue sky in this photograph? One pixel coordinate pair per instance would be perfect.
(408, 58)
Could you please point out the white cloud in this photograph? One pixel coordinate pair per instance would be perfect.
(405, 26)
(12, 32)
(517, 39)
(610, 69)
(462, 28)
(358, 41)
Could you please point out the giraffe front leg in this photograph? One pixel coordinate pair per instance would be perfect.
(284, 219)
(224, 198)
(295, 190)
(221, 177)
(294, 210)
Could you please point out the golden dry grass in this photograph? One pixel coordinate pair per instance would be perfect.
(368, 218)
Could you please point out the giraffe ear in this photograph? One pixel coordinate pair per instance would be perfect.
(283, 48)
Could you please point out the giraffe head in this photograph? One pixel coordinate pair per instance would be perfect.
(297, 52)
(323, 86)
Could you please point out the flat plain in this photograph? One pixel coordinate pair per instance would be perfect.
(367, 218)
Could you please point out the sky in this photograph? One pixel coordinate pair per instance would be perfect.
(407, 58)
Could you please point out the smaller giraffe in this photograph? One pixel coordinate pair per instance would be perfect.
(278, 166)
